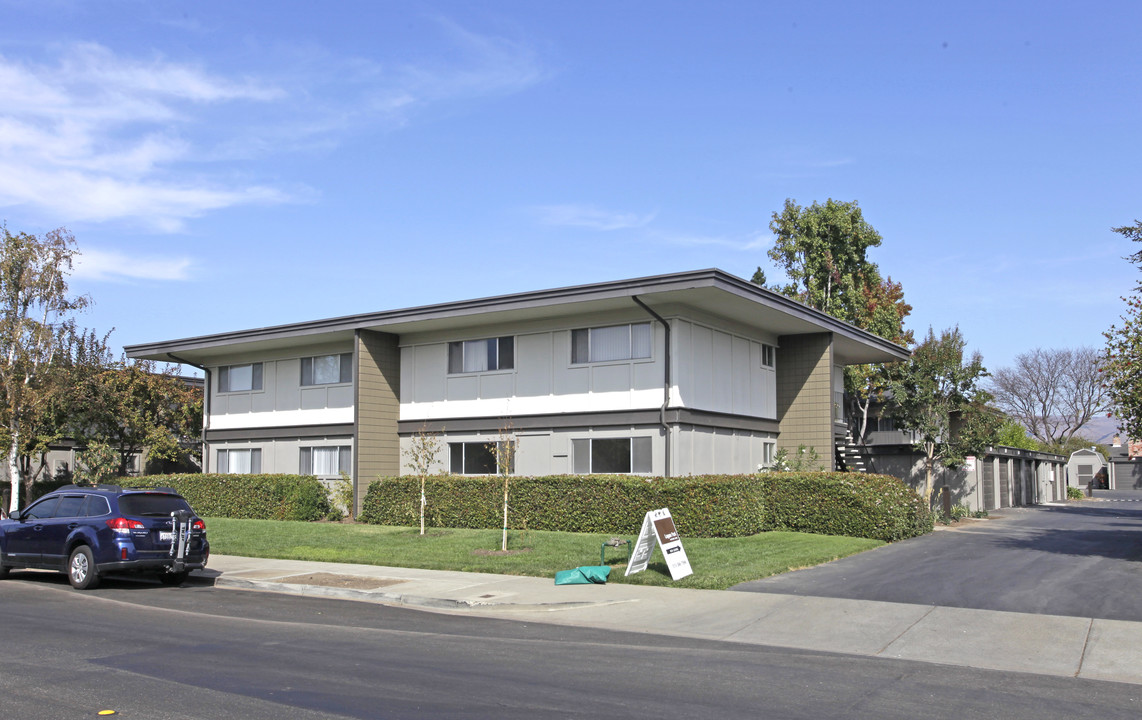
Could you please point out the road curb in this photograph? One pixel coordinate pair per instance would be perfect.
(382, 597)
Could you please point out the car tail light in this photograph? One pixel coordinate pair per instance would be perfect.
(198, 525)
(123, 526)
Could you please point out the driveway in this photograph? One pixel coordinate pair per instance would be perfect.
(1083, 559)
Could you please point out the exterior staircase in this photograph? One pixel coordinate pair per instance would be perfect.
(849, 456)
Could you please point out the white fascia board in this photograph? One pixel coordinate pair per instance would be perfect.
(544, 405)
(281, 418)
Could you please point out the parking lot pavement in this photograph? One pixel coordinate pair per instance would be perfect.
(1076, 559)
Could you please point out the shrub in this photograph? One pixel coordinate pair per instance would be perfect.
(871, 506)
(854, 504)
(254, 497)
(1074, 493)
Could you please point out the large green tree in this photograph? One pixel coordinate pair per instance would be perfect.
(135, 407)
(937, 395)
(1122, 355)
(36, 327)
(823, 251)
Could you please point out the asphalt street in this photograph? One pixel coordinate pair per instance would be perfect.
(147, 651)
(1079, 560)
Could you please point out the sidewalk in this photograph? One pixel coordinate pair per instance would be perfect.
(1016, 642)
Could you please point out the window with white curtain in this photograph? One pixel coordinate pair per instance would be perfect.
(616, 342)
(470, 356)
(326, 461)
(240, 378)
(246, 461)
(327, 369)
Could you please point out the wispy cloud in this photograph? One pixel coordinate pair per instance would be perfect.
(112, 265)
(93, 136)
(591, 217)
(745, 243)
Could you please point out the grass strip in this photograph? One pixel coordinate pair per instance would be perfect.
(718, 563)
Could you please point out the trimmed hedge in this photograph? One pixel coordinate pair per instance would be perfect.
(250, 497)
(872, 506)
(853, 504)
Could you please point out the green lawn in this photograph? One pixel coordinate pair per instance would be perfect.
(718, 563)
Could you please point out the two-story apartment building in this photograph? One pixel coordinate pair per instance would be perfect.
(687, 373)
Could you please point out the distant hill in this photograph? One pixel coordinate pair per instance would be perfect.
(1101, 429)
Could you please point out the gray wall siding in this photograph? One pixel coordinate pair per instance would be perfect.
(282, 397)
(713, 370)
(279, 455)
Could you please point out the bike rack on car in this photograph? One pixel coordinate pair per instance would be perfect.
(181, 527)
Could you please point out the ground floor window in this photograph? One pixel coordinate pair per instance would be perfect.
(240, 462)
(611, 455)
(767, 452)
(325, 461)
(480, 458)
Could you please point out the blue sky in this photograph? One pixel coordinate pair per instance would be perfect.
(226, 166)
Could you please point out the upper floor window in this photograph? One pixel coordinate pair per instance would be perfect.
(768, 352)
(471, 356)
(617, 342)
(325, 461)
(611, 455)
(240, 462)
(327, 369)
(240, 378)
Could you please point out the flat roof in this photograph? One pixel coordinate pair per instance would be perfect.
(712, 291)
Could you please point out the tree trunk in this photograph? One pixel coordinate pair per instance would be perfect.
(504, 545)
(927, 479)
(421, 504)
(863, 419)
(14, 469)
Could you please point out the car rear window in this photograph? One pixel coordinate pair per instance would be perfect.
(152, 504)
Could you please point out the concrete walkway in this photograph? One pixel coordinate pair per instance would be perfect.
(1041, 644)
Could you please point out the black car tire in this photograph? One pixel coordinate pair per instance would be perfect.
(174, 578)
(81, 572)
(3, 568)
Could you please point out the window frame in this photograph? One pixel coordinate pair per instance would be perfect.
(225, 374)
(768, 356)
(462, 467)
(222, 467)
(344, 460)
(640, 455)
(504, 354)
(581, 343)
(344, 370)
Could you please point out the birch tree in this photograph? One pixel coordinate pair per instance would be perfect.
(36, 320)
(421, 454)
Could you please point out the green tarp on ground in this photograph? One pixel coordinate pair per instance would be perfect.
(586, 575)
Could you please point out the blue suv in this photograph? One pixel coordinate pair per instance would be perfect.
(89, 531)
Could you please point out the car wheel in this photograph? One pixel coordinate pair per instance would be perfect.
(81, 570)
(174, 578)
(3, 568)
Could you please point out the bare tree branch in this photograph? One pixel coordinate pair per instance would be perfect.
(1052, 393)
